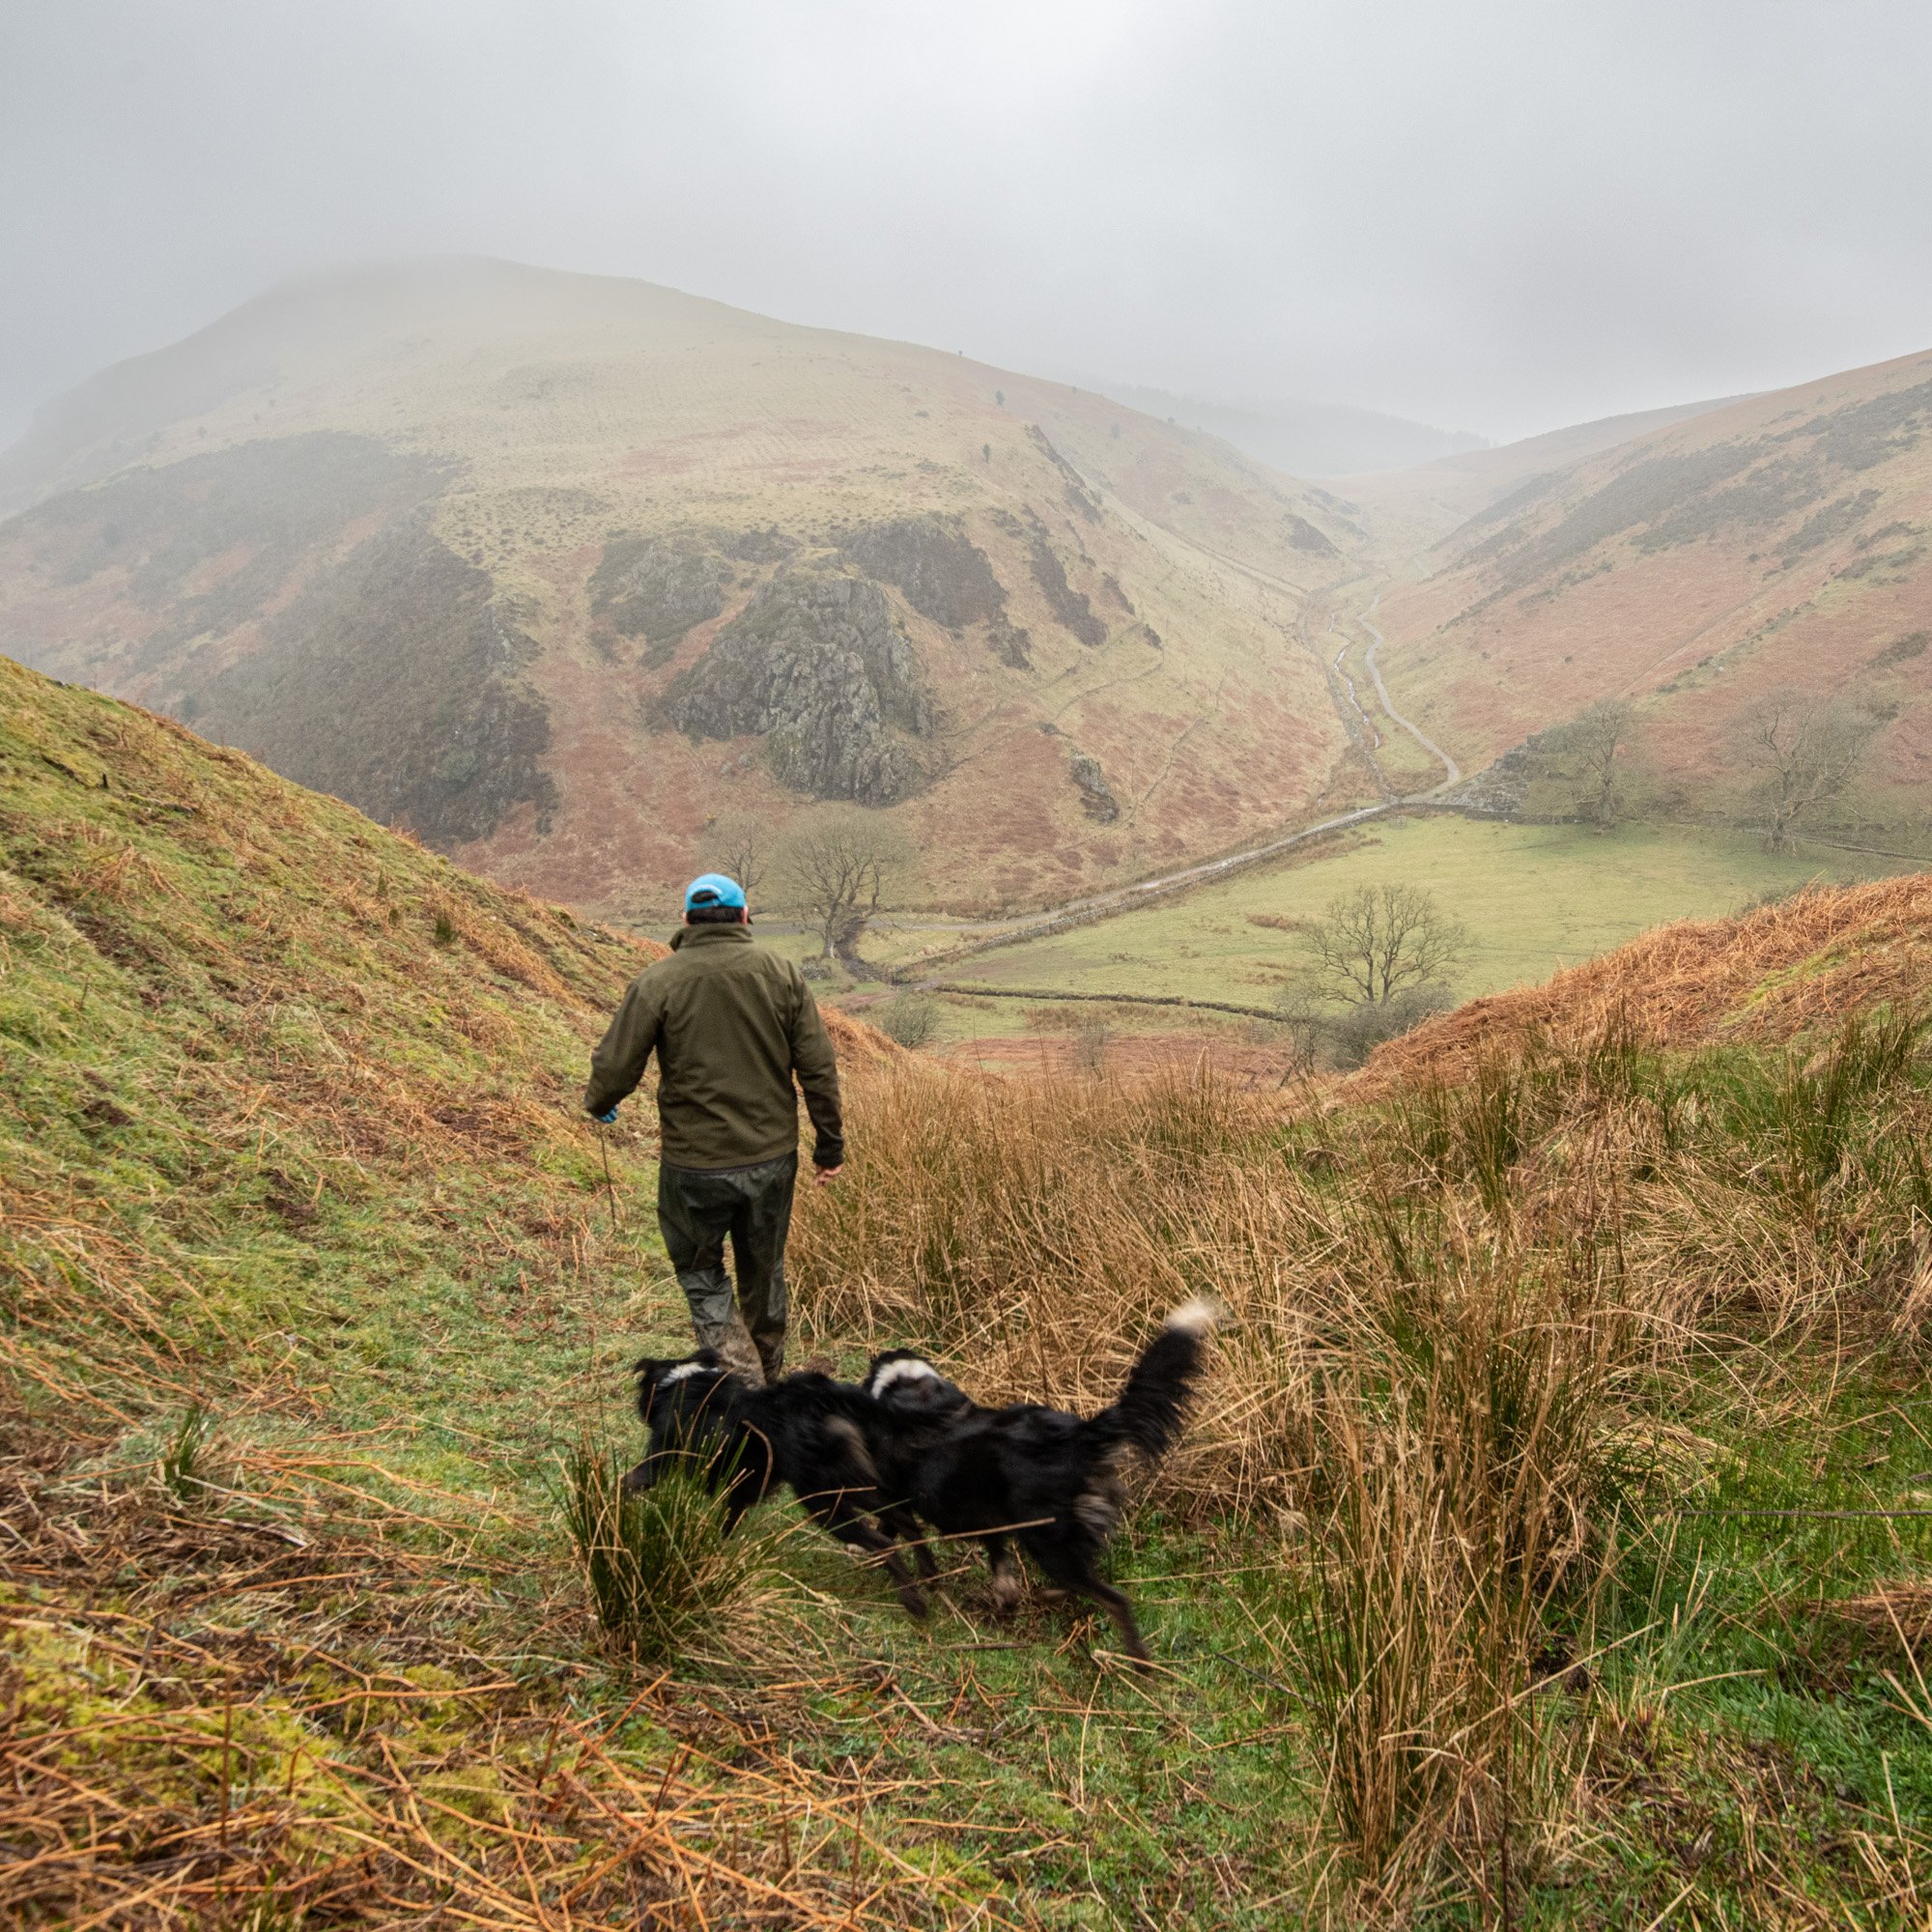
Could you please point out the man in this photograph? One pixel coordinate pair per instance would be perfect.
(731, 1024)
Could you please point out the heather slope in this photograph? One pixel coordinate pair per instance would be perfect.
(553, 569)
(1777, 543)
(1797, 966)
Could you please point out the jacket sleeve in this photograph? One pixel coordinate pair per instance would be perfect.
(818, 1070)
(625, 1050)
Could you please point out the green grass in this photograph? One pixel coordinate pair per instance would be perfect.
(1535, 900)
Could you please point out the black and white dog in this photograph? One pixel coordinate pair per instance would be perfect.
(1043, 1478)
(808, 1433)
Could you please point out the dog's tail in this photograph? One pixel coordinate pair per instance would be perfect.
(1153, 1404)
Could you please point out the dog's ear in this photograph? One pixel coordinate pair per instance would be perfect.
(708, 1358)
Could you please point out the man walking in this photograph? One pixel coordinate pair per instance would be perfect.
(731, 1024)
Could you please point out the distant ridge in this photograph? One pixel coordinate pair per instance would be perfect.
(1305, 438)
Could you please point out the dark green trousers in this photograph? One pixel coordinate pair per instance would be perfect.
(698, 1208)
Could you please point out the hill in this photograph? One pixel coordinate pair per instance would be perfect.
(1794, 967)
(551, 569)
(1776, 544)
(1411, 509)
(307, 1265)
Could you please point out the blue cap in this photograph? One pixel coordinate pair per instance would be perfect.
(714, 889)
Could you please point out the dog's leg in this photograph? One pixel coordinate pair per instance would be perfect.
(743, 1488)
(1122, 1613)
(843, 1517)
(1073, 1568)
(1006, 1569)
(639, 1479)
(898, 1520)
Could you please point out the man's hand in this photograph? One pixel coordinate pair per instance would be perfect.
(605, 1120)
(826, 1176)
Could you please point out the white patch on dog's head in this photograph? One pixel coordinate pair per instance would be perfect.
(684, 1372)
(1198, 1316)
(907, 1369)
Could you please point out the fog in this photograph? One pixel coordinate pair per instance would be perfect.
(1497, 217)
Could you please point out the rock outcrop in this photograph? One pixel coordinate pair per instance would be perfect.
(1097, 795)
(657, 589)
(940, 572)
(818, 666)
(397, 680)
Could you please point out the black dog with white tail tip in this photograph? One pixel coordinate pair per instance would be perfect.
(1043, 1478)
(808, 1433)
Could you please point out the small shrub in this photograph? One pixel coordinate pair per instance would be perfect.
(910, 1019)
(183, 1461)
(664, 1576)
(1089, 1046)
(1355, 1033)
(445, 929)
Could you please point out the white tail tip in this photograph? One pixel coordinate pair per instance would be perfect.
(1197, 1316)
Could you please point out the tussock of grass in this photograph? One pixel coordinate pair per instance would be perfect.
(663, 1577)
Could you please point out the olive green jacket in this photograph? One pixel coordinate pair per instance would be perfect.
(730, 1023)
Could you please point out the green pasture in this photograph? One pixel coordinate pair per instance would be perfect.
(1535, 898)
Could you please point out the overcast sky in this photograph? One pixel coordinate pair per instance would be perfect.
(1491, 215)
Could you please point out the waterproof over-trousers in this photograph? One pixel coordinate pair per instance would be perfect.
(697, 1208)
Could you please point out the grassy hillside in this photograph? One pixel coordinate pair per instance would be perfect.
(306, 1270)
(1776, 543)
(1522, 1563)
(553, 569)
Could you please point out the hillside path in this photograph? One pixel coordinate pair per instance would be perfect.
(1415, 732)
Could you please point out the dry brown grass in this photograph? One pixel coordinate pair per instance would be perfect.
(1785, 968)
(1462, 1322)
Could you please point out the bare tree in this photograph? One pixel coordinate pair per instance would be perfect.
(1800, 755)
(1382, 943)
(740, 844)
(836, 867)
(1586, 764)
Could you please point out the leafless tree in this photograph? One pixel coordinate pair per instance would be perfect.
(740, 844)
(1800, 755)
(836, 867)
(1380, 944)
(1586, 764)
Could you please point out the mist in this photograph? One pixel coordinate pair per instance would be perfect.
(1494, 218)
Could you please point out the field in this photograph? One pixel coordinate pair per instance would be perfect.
(1549, 1548)
(1535, 900)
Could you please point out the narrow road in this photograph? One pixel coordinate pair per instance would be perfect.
(1415, 732)
(1122, 899)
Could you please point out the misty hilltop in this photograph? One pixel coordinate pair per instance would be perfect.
(551, 569)
(1302, 438)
